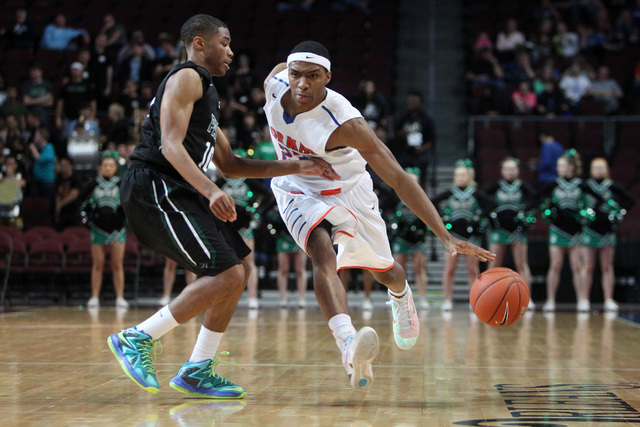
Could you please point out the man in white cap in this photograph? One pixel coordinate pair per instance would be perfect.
(307, 120)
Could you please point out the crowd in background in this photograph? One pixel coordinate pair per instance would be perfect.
(559, 62)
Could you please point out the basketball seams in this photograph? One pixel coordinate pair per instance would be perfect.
(506, 270)
(499, 297)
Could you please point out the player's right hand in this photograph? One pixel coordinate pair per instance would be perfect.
(223, 206)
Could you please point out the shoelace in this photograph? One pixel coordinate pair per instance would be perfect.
(149, 351)
(403, 311)
(216, 361)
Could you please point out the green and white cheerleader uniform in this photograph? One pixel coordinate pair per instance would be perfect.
(465, 212)
(606, 215)
(563, 202)
(510, 219)
(407, 231)
(103, 211)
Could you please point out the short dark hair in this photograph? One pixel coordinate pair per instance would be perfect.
(200, 25)
(312, 47)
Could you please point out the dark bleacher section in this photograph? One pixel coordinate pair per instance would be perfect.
(361, 44)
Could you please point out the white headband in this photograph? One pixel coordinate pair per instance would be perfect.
(309, 57)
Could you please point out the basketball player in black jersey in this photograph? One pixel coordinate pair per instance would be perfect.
(175, 209)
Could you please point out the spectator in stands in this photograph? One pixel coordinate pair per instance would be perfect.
(415, 136)
(508, 40)
(117, 127)
(606, 89)
(12, 104)
(593, 42)
(21, 34)
(524, 100)
(550, 152)
(371, 102)
(67, 205)
(32, 125)
(137, 38)
(243, 79)
(520, 69)
(107, 221)
(552, 102)
(115, 35)
(256, 104)
(129, 98)
(3, 88)
(599, 235)
(483, 41)
(10, 134)
(546, 74)
(73, 95)
(101, 71)
(44, 166)
(37, 94)
(167, 54)
(567, 43)
(575, 83)
(135, 66)
(626, 30)
(57, 36)
(248, 131)
(541, 41)
(486, 103)
(86, 121)
(485, 70)
(10, 213)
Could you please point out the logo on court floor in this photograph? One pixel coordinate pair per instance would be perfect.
(558, 405)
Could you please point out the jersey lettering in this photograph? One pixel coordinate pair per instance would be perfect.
(213, 127)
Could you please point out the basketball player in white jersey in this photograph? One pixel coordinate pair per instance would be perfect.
(308, 120)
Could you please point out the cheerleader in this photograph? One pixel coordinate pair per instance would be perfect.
(288, 251)
(408, 233)
(247, 195)
(510, 219)
(106, 220)
(599, 235)
(564, 199)
(465, 209)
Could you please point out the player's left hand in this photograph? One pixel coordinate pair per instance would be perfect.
(318, 167)
(457, 246)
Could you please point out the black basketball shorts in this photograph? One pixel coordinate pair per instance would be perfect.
(173, 219)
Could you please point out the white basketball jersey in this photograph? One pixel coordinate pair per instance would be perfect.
(306, 135)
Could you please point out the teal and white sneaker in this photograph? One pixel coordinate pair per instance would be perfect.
(136, 352)
(406, 325)
(360, 350)
(198, 379)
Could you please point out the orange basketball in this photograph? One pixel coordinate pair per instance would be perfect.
(499, 297)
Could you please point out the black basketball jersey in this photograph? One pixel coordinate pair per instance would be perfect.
(201, 132)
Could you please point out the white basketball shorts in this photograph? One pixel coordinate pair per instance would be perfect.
(358, 229)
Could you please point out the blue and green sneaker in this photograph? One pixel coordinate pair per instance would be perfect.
(136, 351)
(198, 379)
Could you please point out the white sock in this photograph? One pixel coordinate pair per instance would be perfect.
(158, 324)
(404, 292)
(342, 328)
(206, 345)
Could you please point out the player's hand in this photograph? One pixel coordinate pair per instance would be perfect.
(223, 206)
(457, 246)
(318, 167)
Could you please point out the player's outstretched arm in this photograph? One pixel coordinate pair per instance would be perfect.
(356, 133)
(232, 166)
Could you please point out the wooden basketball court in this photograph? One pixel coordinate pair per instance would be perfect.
(546, 370)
